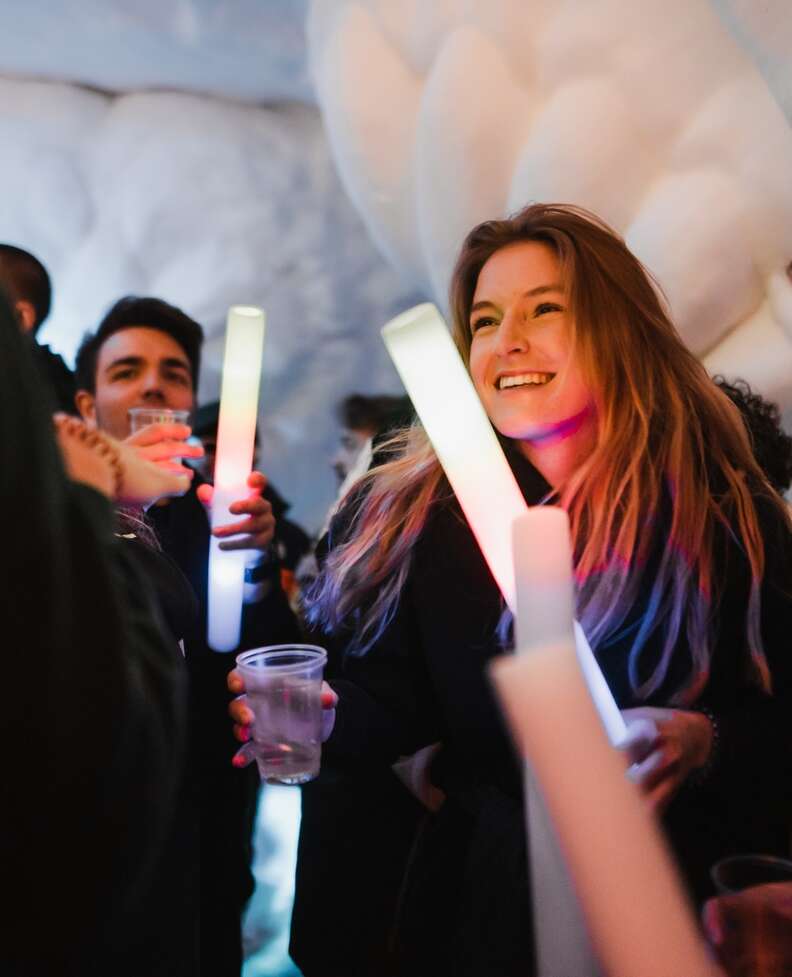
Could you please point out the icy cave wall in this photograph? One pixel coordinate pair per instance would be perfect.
(649, 113)
(195, 166)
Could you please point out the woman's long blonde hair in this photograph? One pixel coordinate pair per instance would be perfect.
(671, 463)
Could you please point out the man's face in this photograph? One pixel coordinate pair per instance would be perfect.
(350, 446)
(136, 367)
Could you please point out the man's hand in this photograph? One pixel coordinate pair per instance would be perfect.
(664, 747)
(166, 445)
(255, 532)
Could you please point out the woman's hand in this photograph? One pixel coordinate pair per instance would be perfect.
(664, 746)
(243, 717)
(112, 467)
(145, 481)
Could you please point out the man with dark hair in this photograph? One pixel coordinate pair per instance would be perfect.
(27, 286)
(146, 353)
(363, 419)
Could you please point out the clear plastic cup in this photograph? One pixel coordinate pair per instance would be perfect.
(738, 872)
(140, 417)
(283, 686)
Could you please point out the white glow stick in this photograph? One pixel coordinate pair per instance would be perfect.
(544, 617)
(455, 421)
(236, 430)
(546, 601)
(463, 439)
(633, 902)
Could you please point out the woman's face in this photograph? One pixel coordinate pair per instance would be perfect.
(521, 357)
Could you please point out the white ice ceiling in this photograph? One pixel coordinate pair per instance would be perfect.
(667, 116)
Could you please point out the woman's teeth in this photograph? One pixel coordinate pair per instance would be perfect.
(524, 379)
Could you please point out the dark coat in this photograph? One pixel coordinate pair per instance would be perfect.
(226, 796)
(95, 877)
(464, 907)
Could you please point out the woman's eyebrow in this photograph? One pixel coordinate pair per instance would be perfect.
(539, 290)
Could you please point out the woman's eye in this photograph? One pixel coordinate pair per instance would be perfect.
(547, 307)
(483, 321)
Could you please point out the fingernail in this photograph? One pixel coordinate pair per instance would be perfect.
(238, 760)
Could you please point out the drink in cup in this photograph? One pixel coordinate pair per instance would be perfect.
(140, 417)
(283, 686)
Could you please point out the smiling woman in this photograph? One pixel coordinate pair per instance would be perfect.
(522, 358)
(682, 551)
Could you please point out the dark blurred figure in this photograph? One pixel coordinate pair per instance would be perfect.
(96, 878)
(365, 419)
(771, 444)
(27, 285)
(291, 542)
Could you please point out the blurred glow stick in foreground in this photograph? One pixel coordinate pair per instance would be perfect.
(236, 430)
(452, 415)
(633, 902)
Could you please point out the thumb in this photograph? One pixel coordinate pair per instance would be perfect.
(204, 493)
(257, 481)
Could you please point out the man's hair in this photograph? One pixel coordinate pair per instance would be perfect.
(359, 412)
(771, 444)
(25, 279)
(131, 312)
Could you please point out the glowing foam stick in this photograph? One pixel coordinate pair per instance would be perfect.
(632, 900)
(463, 439)
(452, 415)
(544, 617)
(546, 601)
(236, 431)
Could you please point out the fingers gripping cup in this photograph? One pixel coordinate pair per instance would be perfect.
(283, 688)
(140, 417)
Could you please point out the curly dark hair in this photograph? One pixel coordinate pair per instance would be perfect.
(772, 445)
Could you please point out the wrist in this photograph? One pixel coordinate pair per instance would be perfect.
(89, 457)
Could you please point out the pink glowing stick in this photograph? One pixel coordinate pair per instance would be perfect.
(632, 900)
(236, 431)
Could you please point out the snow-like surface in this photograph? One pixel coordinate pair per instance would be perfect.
(650, 113)
(249, 49)
(207, 203)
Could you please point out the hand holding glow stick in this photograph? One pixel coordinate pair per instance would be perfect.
(236, 432)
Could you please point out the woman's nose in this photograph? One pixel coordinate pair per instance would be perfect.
(512, 334)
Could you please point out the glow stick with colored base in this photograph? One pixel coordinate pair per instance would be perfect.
(236, 432)
(455, 421)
